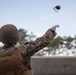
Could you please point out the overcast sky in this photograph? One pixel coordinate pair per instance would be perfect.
(38, 16)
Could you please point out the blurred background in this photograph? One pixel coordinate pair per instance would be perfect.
(34, 17)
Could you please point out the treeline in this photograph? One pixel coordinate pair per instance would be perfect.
(24, 36)
(57, 44)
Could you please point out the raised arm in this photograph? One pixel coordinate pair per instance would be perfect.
(30, 48)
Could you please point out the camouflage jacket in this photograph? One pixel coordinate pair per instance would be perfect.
(30, 48)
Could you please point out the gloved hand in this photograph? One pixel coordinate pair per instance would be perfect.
(54, 27)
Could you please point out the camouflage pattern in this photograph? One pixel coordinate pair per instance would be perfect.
(30, 48)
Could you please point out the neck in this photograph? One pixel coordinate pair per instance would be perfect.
(8, 45)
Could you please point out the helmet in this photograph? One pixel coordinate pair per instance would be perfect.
(9, 34)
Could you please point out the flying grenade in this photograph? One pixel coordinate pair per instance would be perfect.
(57, 8)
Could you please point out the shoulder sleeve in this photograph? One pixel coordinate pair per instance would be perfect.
(30, 48)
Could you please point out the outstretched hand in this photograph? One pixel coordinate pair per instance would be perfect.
(54, 27)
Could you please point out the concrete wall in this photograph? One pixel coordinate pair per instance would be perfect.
(53, 65)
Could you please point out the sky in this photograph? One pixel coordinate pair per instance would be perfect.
(38, 16)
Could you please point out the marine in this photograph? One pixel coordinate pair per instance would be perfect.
(16, 60)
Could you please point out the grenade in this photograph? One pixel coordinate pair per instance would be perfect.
(56, 8)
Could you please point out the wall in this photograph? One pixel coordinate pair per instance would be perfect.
(53, 65)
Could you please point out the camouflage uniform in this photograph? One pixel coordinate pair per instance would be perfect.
(30, 48)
